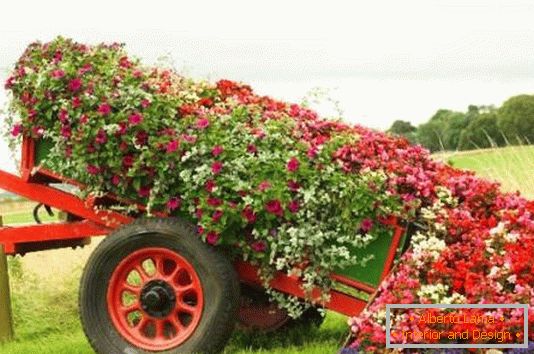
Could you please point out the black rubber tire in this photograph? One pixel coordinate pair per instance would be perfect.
(219, 281)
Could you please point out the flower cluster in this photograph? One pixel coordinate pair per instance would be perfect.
(276, 184)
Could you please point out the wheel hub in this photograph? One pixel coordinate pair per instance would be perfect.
(158, 298)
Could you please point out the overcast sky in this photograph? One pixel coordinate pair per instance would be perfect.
(382, 60)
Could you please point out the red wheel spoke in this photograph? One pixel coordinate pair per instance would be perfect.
(140, 327)
(131, 288)
(142, 273)
(182, 305)
(178, 326)
(185, 288)
(126, 310)
(160, 328)
(159, 265)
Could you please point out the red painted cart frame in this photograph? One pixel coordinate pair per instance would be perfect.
(36, 184)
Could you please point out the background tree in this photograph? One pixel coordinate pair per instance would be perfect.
(516, 119)
(482, 132)
(405, 129)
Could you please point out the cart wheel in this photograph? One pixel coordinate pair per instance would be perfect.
(154, 286)
(258, 313)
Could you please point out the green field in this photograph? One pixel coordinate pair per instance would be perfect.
(45, 284)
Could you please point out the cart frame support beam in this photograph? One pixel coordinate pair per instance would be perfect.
(6, 315)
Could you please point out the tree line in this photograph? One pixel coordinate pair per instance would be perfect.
(479, 127)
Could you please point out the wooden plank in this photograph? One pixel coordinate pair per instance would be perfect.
(6, 316)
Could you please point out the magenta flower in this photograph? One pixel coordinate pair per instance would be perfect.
(57, 74)
(135, 118)
(217, 215)
(17, 129)
(294, 206)
(252, 149)
(104, 109)
(212, 237)
(191, 139)
(210, 186)
(84, 69)
(263, 186)
(66, 131)
(173, 146)
(293, 185)
(293, 164)
(217, 150)
(312, 152)
(174, 203)
(76, 102)
(366, 225)
(93, 170)
(128, 161)
(216, 167)
(115, 180)
(249, 214)
(75, 84)
(214, 202)
(101, 137)
(144, 192)
(259, 246)
(202, 123)
(145, 103)
(9, 82)
(274, 207)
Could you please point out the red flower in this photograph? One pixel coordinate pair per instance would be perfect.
(174, 203)
(187, 109)
(63, 116)
(248, 213)
(173, 146)
(84, 69)
(9, 82)
(294, 206)
(202, 123)
(104, 109)
(135, 118)
(128, 161)
(293, 164)
(274, 207)
(17, 129)
(66, 132)
(216, 167)
(101, 137)
(124, 62)
(212, 237)
(206, 102)
(209, 186)
(57, 74)
(252, 149)
(259, 246)
(217, 150)
(76, 102)
(145, 103)
(75, 84)
(144, 192)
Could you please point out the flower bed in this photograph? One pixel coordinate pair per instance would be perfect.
(283, 185)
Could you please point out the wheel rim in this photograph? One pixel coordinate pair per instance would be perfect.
(155, 299)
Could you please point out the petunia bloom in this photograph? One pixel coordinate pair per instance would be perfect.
(217, 150)
(174, 203)
(135, 118)
(104, 109)
(274, 207)
(293, 164)
(216, 167)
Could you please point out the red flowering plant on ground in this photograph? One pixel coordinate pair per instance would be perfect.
(292, 191)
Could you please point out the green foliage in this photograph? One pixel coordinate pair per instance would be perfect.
(482, 132)
(516, 119)
(405, 129)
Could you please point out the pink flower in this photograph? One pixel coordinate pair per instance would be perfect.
(135, 118)
(216, 167)
(259, 246)
(217, 150)
(17, 129)
(128, 161)
(212, 237)
(191, 139)
(66, 132)
(104, 109)
(173, 146)
(76, 102)
(366, 225)
(202, 123)
(75, 84)
(145, 103)
(274, 207)
(84, 69)
(84, 119)
(293, 164)
(63, 115)
(9, 82)
(93, 170)
(312, 152)
(248, 213)
(217, 215)
(174, 203)
(57, 74)
(209, 186)
(115, 180)
(263, 186)
(294, 206)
